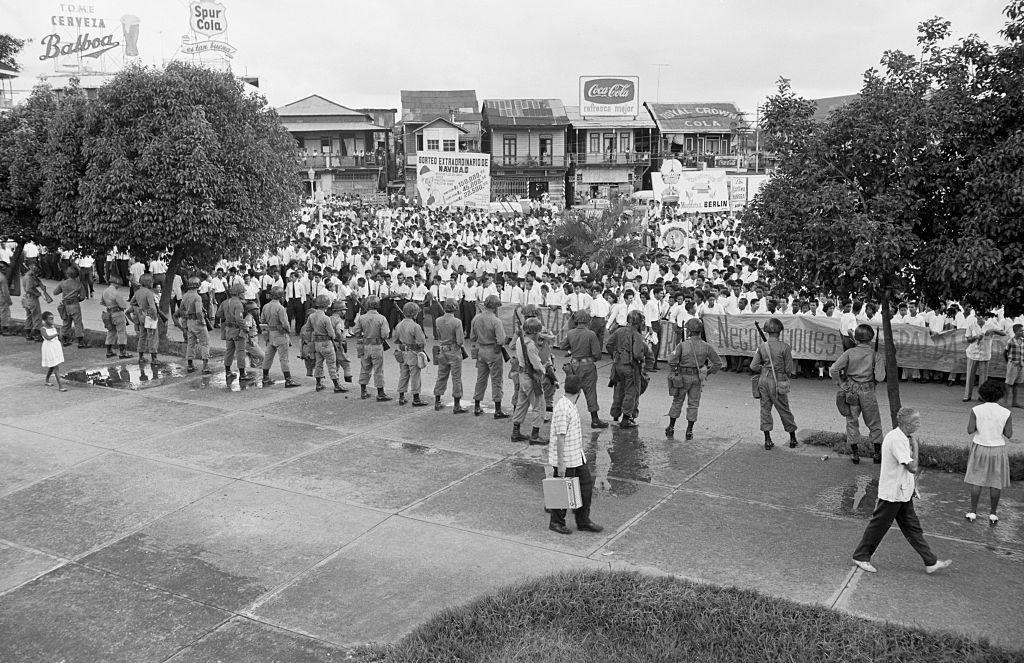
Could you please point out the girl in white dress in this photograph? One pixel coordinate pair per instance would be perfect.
(988, 465)
(53, 354)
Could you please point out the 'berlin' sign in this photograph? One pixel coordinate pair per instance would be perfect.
(609, 96)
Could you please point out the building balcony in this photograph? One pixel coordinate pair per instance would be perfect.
(610, 158)
(334, 160)
(540, 161)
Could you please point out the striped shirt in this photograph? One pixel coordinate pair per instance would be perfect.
(565, 420)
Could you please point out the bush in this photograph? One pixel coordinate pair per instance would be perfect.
(626, 617)
(933, 456)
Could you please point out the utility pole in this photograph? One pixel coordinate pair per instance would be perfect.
(660, 66)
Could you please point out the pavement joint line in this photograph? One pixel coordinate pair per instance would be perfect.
(665, 498)
(60, 562)
(281, 626)
(451, 484)
(11, 490)
(848, 584)
(200, 638)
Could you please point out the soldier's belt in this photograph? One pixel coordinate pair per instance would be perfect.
(114, 309)
(687, 370)
(321, 337)
(449, 347)
(582, 360)
(409, 347)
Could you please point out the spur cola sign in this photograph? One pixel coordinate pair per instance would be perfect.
(609, 96)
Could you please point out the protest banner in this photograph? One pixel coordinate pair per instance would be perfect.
(454, 179)
(698, 190)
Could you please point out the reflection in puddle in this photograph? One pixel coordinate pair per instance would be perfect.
(218, 380)
(418, 449)
(128, 375)
(856, 500)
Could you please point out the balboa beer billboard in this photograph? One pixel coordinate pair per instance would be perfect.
(454, 179)
(609, 96)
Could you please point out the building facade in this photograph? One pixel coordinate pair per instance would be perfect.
(609, 156)
(461, 122)
(526, 139)
(699, 134)
(341, 150)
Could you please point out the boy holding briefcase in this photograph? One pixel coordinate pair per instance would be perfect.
(565, 454)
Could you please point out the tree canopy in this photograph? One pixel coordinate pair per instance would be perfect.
(10, 46)
(604, 239)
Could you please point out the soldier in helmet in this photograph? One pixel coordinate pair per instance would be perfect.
(530, 395)
(70, 307)
(192, 318)
(321, 329)
(232, 316)
(488, 335)
(115, 308)
(584, 350)
(274, 317)
(411, 341)
(449, 355)
(337, 314)
(630, 354)
(684, 381)
(774, 359)
(146, 318)
(856, 371)
(371, 331)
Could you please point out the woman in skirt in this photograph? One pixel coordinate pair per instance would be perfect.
(988, 465)
(53, 354)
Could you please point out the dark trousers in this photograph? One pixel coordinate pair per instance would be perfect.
(582, 514)
(467, 311)
(296, 312)
(905, 516)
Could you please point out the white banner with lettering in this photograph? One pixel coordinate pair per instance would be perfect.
(454, 179)
(698, 190)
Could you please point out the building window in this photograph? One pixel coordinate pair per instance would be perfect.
(595, 142)
(419, 142)
(508, 149)
(325, 145)
(433, 144)
(547, 145)
(449, 145)
(624, 142)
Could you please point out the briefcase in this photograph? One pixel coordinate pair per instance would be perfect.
(562, 493)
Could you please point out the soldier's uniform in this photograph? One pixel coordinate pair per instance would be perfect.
(70, 309)
(684, 379)
(530, 395)
(115, 320)
(340, 346)
(232, 317)
(630, 354)
(584, 350)
(371, 330)
(197, 337)
(144, 305)
(31, 290)
(488, 334)
(322, 328)
(5, 301)
(411, 341)
(274, 317)
(451, 336)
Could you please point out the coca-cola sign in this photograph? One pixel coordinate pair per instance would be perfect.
(609, 91)
(609, 95)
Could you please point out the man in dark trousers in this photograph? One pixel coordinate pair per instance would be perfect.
(584, 350)
(488, 336)
(684, 382)
(566, 456)
(449, 355)
(630, 354)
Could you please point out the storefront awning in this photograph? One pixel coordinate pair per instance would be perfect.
(697, 117)
(603, 175)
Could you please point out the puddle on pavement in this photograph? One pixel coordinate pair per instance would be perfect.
(217, 380)
(856, 499)
(417, 449)
(127, 375)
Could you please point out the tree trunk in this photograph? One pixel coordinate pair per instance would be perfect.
(892, 371)
(165, 295)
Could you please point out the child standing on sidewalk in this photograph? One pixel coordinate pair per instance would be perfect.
(988, 465)
(53, 354)
(1014, 355)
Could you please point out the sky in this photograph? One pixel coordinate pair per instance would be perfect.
(361, 54)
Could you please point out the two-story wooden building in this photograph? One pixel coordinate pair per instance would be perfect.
(609, 156)
(526, 140)
(341, 150)
(437, 121)
(698, 132)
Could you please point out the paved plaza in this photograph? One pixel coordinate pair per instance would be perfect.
(176, 518)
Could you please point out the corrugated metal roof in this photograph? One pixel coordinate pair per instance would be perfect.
(829, 104)
(525, 112)
(641, 121)
(331, 126)
(427, 105)
(314, 104)
(697, 117)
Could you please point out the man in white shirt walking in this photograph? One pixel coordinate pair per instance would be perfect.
(565, 455)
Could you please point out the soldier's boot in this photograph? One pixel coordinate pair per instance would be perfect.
(671, 429)
(123, 352)
(156, 362)
(248, 378)
(267, 382)
(142, 359)
(289, 381)
(190, 367)
(401, 398)
(498, 414)
(854, 455)
(517, 434)
(768, 443)
(792, 439)
(627, 422)
(535, 438)
(878, 453)
(458, 409)
(382, 397)
(477, 410)
(689, 429)
(320, 384)
(437, 404)
(348, 378)
(110, 351)
(363, 393)
(416, 402)
(206, 367)
(595, 421)
(338, 389)
(82, 343)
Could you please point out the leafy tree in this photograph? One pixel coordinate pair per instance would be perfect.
(603, 240)
(174, 160)
(9, 48)
(913, 187)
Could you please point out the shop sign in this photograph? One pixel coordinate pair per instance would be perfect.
(207, 18)
(90, 44)
(609, 96)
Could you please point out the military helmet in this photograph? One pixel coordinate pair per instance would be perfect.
(236, 289)
(193, 283)
(146, 280)
(531, 311)
(532, 325)
(373, 301)
(773, 326)
(450, 305)
(338, 304)
(321, 301)
(251, 306)
(694, 326)
(581, 317)
(277, 292)
(411, 309)
(635, 318)
(492, 302)
(863, 333)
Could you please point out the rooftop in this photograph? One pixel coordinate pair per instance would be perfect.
(829, 104)
(695, 117)
(427, 105)
(525, 112)
(314, 104)
(641, 121)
